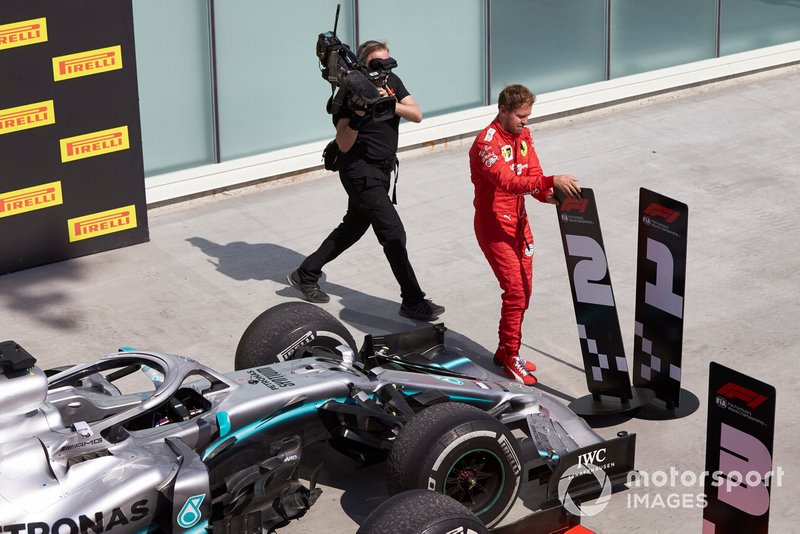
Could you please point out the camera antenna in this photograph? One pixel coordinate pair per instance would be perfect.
(336, 19)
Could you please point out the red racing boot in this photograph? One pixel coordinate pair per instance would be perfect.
(515, 368)
(500, 357)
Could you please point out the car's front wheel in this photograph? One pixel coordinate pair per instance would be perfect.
(421, 512)
(283, 331)
(462, 452)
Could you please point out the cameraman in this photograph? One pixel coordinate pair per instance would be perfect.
(367, 163)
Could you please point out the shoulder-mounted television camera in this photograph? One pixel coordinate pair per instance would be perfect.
(355, 82)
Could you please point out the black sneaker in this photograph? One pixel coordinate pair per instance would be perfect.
(311, 292)
(425, 310)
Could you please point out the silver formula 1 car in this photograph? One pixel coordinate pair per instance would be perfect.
(194, 450)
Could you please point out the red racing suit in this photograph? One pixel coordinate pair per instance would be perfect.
(504, 169)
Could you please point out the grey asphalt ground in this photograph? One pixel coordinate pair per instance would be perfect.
(729, 150)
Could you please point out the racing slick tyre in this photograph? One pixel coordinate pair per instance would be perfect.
(460, 451)
(421, 512)
(275, 335)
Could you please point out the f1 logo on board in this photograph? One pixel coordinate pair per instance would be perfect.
(94, 144)
(26, 32)
(657, 210)
(27, 116)
(571, 204)
(735, 391)
(104, 222)
(87, 63)
(30, 198)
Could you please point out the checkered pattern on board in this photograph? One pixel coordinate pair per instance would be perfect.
(603, 361)
(654, 366)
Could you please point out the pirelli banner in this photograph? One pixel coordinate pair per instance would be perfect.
(72, 179)
(660, 288)
(604, 359)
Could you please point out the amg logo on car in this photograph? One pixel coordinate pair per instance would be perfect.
(98, 522)
(81, 444)
(274, 379)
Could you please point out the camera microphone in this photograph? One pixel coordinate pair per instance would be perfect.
(358, 84)
(380, 107)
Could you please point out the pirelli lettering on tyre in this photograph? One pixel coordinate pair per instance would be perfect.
(104, 222)
(26, 32)
(30, 199)
(27, 116)
(94, 144)
(508, 449)
(87, 63)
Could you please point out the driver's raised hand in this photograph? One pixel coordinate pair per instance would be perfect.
(567, 184)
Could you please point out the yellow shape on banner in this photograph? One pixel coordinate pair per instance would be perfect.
(30, 198)
(94, 144)
(25, 32)
(27, 116)
(87, 63)
(104, 222)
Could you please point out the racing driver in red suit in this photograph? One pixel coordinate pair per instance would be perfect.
(504, 169)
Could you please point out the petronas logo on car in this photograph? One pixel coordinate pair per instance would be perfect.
(190, 513)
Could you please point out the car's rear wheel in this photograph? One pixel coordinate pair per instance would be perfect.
(462, 452)
(421, 512)
(283, 331)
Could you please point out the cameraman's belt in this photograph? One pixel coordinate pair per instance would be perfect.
(385, 164)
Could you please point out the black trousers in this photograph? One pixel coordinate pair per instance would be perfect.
(368, 205)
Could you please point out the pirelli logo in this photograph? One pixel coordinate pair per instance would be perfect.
(29, 199)
(26, 32)
(28, 116)
(104, 222)
(87, 63)
(94, 144)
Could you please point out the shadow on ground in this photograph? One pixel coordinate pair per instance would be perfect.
(268, 261)
(31, 292)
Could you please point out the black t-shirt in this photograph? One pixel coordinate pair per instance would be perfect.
(377, 141)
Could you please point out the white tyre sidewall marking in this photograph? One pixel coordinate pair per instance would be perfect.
(502, 441)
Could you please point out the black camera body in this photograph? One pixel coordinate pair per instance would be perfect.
(355, 81)
(335, 57)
